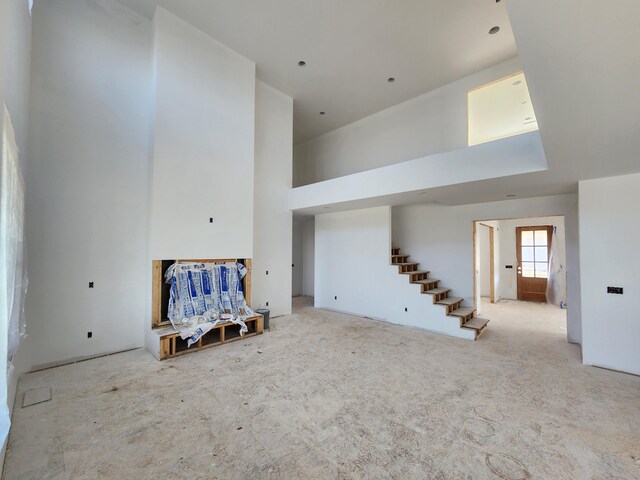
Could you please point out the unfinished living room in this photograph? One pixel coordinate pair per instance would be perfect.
(305, 239)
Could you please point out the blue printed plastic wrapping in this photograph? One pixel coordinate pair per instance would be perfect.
(203, 295)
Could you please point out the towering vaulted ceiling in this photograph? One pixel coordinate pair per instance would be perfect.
(351, 48)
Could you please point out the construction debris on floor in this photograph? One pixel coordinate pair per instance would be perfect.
(204, 295)
(362, 399)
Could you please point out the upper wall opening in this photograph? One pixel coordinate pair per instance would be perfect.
(500, 109)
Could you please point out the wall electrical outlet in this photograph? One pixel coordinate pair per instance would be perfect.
(335, 298)
(89, 334)
(90, 284)
(616, 290)
(210, 219)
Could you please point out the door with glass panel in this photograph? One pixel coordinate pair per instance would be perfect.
(533, 245)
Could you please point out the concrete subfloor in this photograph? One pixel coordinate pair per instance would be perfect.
(336, 396)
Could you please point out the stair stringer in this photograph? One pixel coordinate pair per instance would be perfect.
(421, 311)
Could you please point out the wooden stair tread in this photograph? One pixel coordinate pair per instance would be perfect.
(476, 323)
(437, 291)
(426, 281)
(462, 312)
(449, 301)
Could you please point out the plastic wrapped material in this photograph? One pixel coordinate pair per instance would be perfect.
(202, 295)
(13, 280)
(557, 281)
(12, 227)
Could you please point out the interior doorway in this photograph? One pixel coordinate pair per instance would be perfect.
(520, 260)
(533, 246)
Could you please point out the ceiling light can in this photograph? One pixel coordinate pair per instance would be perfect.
(494, 30)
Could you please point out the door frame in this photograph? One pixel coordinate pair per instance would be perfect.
(549, 229)
(491, 263)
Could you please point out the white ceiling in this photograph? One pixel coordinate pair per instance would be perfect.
(351, 47)
(582, 63)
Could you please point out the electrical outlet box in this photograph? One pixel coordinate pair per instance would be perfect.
(90, 284)
(89, 334)
(508, 266)
(615, 290)
(335, 298)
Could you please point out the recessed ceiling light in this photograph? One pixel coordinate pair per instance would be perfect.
(424, 193)
(391, 79)
(511, 195)
(494, 30)
(527, 119)
(327, 208)
(323, 113)
(517, 82)
(523, 103)
(302, 63)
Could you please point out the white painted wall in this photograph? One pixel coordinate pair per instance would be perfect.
(308, 257)
(303, 252)
(272, 228)
(501, 158)
(352, 251)
(508, 282)
(353, 273)
(609, 230)
(297, 256)
(440, 238)
(431, 123)
(203, 150)
(87, 181)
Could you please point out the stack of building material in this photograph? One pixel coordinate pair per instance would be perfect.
(204, 295)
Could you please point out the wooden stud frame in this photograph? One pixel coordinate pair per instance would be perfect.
(171, 345)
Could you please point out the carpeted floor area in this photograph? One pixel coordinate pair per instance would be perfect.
(325, 395)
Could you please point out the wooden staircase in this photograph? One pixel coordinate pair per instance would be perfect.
(466, 316)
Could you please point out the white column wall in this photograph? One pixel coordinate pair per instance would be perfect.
(308, 257)
(609, 254)
(272, 230)
(296, 260)
(87, 181)
(203, 147)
